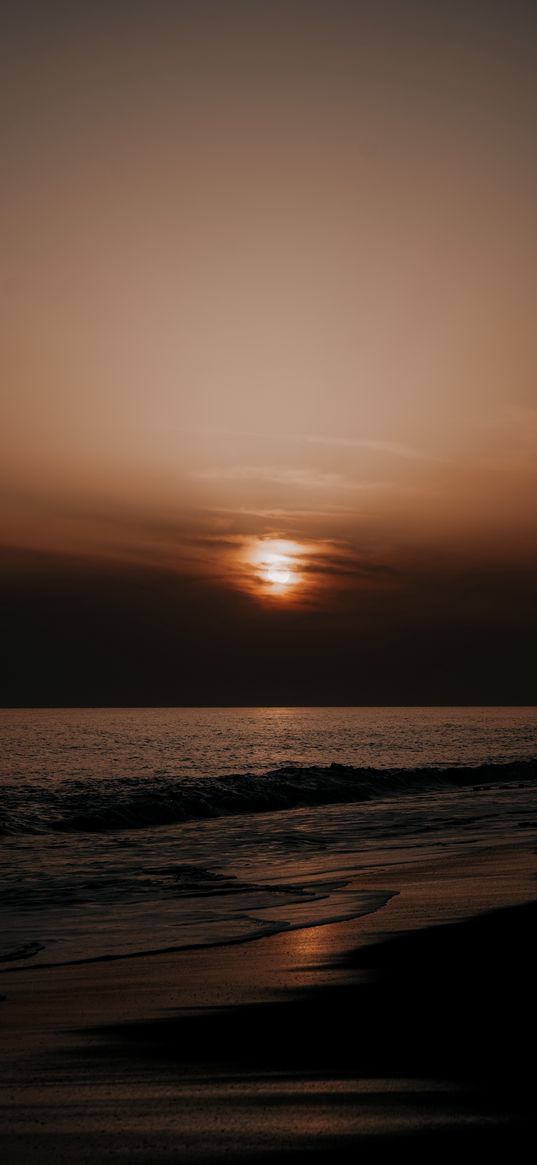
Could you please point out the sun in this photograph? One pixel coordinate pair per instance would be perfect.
(279, 571)
(280, 578)
(276, 565)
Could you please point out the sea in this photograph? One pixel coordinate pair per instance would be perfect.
(130, 831)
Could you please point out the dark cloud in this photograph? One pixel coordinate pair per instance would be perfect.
(79, 632)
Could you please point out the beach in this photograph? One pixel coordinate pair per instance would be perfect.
(410, 1022)
(205, 958)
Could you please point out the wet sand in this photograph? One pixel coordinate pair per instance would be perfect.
(407, 1028)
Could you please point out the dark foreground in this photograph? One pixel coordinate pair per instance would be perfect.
(451, 1005)
(422, 1041)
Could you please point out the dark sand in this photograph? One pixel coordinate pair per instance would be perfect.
(412, 1028)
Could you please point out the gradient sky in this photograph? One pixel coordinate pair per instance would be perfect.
(268, 276)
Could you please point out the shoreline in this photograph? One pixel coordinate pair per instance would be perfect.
(102, 1060)
(279, 927)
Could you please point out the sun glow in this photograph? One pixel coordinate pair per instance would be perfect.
(276, 565)
(280, 569)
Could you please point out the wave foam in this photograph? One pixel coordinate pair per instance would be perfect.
(126, 804)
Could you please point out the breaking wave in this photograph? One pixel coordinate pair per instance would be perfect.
(126, 804)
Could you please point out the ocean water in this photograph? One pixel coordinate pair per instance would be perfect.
(129, 831)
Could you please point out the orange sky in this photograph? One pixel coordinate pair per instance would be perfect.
(269, 271)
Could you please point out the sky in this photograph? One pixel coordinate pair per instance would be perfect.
(269, 413)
